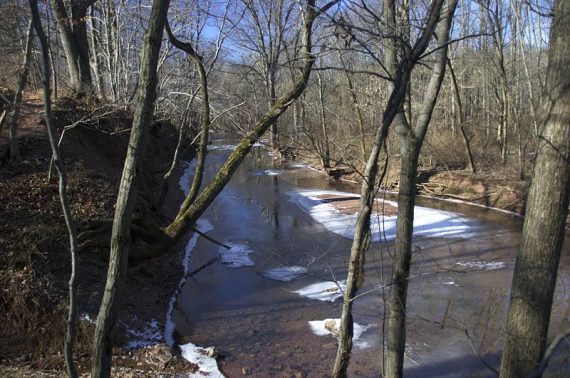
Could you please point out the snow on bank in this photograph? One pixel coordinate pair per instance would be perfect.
(199, 356)
(332, 326)
(186, 178)
(207, 365)
(427, 222)
(150, 335)
(323, 291)
(480, 265)
(286, 273)
(237, 256)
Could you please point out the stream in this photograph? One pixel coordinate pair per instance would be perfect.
(269, 304)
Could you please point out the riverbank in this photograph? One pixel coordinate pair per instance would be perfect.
(35, 268)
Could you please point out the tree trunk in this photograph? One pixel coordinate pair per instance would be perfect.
(14, 147)
(461, 119)
(120, 237)
(325, 150)
(73, 31)
(411, 144)
(361, 239)
(69, 222)
(536, 267)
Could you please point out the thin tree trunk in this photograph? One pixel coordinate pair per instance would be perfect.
(120, 237)
(361, 239)
(411, 144)
(536, 268)
(14, 147)
(461, 119)
(204, 118)
(71, 227)
(325, 153)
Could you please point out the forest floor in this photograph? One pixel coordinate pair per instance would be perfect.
(34, 263)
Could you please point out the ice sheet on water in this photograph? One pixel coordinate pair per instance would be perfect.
(427, 221)
(327, 291)
(237, 256)
(208, 367)
(286, 273)
(331, 327)
(482, 265)
(267, 172)
(225, 147)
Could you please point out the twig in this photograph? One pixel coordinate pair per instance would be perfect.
(211, 239)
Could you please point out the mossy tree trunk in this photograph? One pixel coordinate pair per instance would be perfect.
(188, 215)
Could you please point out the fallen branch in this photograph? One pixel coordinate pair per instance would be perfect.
(203, 266)
(211, 239)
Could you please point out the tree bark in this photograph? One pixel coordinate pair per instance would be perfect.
(120, 237)
(73, 30)
(411, 143)
(14, 146)
(69, 222)
(536, 267)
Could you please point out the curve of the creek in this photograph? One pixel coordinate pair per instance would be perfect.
(269, 303)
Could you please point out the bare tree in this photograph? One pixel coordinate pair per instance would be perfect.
(120, 238)
(361, 240)
(537, 262)
(71, 227)
(14, 146)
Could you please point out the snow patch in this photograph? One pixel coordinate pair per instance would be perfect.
(185, 181)
(323, 291)
(480, 265)
(332, 326)
(427, 222)
(208, 365)
(286, 273)
(237, 256)
(150, 335)
(204, 226)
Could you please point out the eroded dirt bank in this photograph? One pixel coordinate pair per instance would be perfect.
(34, 265)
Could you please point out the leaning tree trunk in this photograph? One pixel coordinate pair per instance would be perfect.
(185, 219)
(411, 144)
(14, 147)
(536, 267)
(71, 227)
(120, 237)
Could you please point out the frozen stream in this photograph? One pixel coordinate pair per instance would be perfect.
(269, 304)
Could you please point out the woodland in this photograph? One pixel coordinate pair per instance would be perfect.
(101, 102)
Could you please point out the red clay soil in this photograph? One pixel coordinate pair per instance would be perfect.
(34, 263)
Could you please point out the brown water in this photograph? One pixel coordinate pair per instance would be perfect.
(455, 313)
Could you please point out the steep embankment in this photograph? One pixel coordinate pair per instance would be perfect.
(34, 264)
